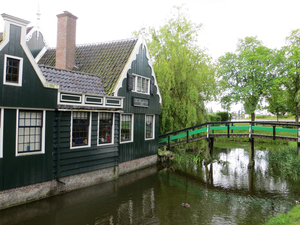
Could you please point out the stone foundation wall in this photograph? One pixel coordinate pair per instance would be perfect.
(129, 166)
(21, 195)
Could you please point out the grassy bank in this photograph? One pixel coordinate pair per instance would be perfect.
(293, 217)
(284, 161)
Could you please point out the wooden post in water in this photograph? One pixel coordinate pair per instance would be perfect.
(209, 150)
(251, 148)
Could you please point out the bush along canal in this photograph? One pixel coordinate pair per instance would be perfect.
(186, 192)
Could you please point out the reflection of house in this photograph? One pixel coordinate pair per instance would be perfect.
(72, 116)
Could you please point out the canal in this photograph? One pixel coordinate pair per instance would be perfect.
(224, 192)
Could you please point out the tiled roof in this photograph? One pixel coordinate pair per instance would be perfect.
(73, 81)
(104, 59)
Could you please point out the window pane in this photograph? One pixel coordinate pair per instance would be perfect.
(149, 126)
(80, 130)
(29, 131)
(105, 128)
(126, 127)
(12, 70)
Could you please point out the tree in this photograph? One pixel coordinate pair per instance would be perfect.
(185, 74)
(277, 101)
(289, 68)
(247, 74)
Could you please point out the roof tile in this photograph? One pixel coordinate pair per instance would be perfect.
(106, 60)
(73, 81)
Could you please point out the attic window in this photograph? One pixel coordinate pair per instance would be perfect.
(13, 70)
(141, 84)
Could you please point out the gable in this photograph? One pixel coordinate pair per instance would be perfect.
(35, 43)
(30, 90)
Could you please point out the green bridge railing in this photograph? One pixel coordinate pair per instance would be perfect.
(265, 128)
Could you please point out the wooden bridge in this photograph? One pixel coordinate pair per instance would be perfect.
(240, 129)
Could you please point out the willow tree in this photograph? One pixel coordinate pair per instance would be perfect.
(185, 74)
(247, 74)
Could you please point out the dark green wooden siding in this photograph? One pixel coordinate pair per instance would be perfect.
(32, 94)
(20, 171)
(74, 161)
(140, 147)
(36, 43)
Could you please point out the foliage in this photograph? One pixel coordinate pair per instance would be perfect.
(185, 74)
(293, 217)
(224, 116)
(289, 69)
(214, 118)
(247, 74)
(277, 100)
(285, 161)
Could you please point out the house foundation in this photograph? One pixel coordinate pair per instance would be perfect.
(25, 194)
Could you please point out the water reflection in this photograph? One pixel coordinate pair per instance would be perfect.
(224, 192)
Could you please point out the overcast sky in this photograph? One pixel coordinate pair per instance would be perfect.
(224, 21)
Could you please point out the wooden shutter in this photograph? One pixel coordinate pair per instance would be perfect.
(129, 82)
(151, 87)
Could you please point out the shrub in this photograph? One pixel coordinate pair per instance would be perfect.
(224, 116)
(214, 118)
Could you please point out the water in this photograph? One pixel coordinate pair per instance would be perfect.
(224, 192)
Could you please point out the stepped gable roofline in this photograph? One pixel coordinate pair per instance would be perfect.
(73, 81)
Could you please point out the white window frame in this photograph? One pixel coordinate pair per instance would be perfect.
(134, 84)
(89, 135)
(153, 127)
(20, 70)
(42, 138)
(132, 128)
(112, 132)
(1, 131)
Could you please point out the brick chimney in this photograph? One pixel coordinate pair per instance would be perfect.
(66, 40)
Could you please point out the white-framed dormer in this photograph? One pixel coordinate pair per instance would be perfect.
(126, 127)
(81, 129)
(1, 131)
(149, 127)
(106, 127)
(140, 84)
(30, 132)
(12, 70)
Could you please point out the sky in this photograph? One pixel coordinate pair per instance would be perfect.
(223, 21)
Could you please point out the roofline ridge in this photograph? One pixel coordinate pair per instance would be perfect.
(72, 71)
(107, 42)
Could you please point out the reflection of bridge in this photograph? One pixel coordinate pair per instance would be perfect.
(246, 129)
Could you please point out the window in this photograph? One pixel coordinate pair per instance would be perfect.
(126, 128)
(81, 129)
(149, 127)
(1, 131)
(106, 125)
(13, 70)
(30, 131)
(140, 84)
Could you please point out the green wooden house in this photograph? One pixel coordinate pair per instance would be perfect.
(73, 110)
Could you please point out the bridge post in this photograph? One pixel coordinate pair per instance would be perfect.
(251, 153)
(209, 150)
(251, 148)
